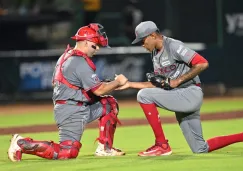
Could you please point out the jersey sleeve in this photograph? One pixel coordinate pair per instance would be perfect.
(181, 52)
(55, 69)
(198, 59)
(87, 76)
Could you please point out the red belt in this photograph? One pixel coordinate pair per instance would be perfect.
(78, 103)
(198, 84)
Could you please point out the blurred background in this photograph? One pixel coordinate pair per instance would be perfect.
(34, 33)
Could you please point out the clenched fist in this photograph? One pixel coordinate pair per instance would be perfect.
(121, 79)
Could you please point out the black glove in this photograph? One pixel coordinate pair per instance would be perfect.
(108, 80)
(159, 80)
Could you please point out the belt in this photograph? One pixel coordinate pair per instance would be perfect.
(72, 102)
(198, 84)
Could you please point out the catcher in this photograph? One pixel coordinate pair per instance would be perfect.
(174, 85)
(79, 99)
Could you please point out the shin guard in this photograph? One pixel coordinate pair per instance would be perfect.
(49, 149)
(108, 121)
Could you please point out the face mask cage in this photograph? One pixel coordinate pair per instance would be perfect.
(101, 34)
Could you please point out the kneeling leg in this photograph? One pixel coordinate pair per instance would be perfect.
(50, 150)
(192, 130)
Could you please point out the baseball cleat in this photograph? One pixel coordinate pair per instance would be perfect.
(157, 150)
(100, 151)
(14, 151)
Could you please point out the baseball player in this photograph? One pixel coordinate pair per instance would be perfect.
(175, 86)
(79, 99)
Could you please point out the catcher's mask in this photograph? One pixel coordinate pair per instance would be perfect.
(93, 32)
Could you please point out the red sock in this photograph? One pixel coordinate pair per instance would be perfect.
(223, 141)
(152, 116)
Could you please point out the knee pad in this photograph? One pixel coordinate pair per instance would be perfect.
(110, 100)
(108, 121)
(69, 149)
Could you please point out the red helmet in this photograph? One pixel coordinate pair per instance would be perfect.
(92, 32)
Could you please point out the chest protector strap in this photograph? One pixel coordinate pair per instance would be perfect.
(58, 77)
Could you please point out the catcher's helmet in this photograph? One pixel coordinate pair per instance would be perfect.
(92, 32)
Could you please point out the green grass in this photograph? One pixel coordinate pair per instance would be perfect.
(26, 119)
(125, 113)
(132, 140)
(220, 106)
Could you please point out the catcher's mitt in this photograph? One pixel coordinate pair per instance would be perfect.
(159, 80)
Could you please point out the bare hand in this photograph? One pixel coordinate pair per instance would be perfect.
(174, 83)
(121, 79)
(125, 86)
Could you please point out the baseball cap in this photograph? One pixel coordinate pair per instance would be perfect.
(144, 29)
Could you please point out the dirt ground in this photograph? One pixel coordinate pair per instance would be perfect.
(31, 108)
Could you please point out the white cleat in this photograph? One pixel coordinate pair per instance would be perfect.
(14, 151)
(100, 151)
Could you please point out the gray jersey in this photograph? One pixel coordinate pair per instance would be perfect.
(173, 60)
(77, 72)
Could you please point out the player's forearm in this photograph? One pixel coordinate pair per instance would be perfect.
(106, 88)
(140, 85)
(193, 72)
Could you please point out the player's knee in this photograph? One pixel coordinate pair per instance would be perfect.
(69, 149)
(109, 105)
(199, 152)
(200, 149)
(143, 96)
(75, 150)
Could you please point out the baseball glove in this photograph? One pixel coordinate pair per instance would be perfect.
(159, 80)
(108, 80)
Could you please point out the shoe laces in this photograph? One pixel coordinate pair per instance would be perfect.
(158, 144)
(151, 148)
(116, 149)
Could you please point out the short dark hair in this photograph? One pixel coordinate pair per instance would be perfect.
(157, 31)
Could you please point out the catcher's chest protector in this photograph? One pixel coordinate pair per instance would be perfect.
(58, 73)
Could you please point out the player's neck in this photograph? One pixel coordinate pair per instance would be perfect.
(160, 45)
(80, 48)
